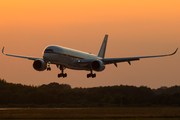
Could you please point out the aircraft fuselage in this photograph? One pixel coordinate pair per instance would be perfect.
(67, 57)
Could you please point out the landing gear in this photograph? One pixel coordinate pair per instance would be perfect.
(91, 75)
(62, 74)
(48, 67)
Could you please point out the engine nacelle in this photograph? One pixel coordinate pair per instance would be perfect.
(39, 65)
(97, 65)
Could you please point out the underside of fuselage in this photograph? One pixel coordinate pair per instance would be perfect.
(66, 61)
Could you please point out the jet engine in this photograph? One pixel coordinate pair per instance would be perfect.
(39, 65)
(97, 65)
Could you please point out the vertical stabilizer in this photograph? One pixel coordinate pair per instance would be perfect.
(103, 47)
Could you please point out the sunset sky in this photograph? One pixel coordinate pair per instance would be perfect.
(135, 28)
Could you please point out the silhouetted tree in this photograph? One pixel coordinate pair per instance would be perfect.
(62, 95)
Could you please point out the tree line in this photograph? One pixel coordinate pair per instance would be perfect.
(62, 95)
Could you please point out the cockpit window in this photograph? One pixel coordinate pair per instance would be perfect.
(49, 50)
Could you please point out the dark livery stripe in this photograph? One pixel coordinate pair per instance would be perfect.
(64, 55)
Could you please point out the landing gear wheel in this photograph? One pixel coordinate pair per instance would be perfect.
(59, 75)
(64, 75)
(91, 75)
(88, 75)
(48, 69)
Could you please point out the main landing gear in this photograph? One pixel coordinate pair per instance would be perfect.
(62, 74)
(91, 75)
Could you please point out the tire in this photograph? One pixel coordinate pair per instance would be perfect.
(64, 75)
(59, 75)
(88, 75)
(93, 75)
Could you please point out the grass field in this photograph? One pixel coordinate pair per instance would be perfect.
(127, 113)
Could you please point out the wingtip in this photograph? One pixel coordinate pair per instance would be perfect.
(174, 52)
(3, 50)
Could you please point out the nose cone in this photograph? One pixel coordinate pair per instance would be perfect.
(48, 53)
(46, 56)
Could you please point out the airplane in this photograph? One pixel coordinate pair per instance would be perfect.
(64, 58)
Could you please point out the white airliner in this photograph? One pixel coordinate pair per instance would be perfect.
(64, 57)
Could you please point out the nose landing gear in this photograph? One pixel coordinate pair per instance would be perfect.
(91, 75)
(48, 67)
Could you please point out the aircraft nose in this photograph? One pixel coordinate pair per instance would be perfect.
(46, 56)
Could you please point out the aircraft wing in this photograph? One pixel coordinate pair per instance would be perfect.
(30, 58)
(116, 60)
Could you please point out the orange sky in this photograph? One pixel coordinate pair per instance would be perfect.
(135, 28)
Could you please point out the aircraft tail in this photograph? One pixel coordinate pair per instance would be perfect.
(103, 47)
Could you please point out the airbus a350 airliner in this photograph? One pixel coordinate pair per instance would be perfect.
(64, 57)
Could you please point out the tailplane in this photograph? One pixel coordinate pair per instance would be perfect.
(103, 47)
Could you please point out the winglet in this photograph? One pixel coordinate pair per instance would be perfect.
(3, 51)
(173, 52)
